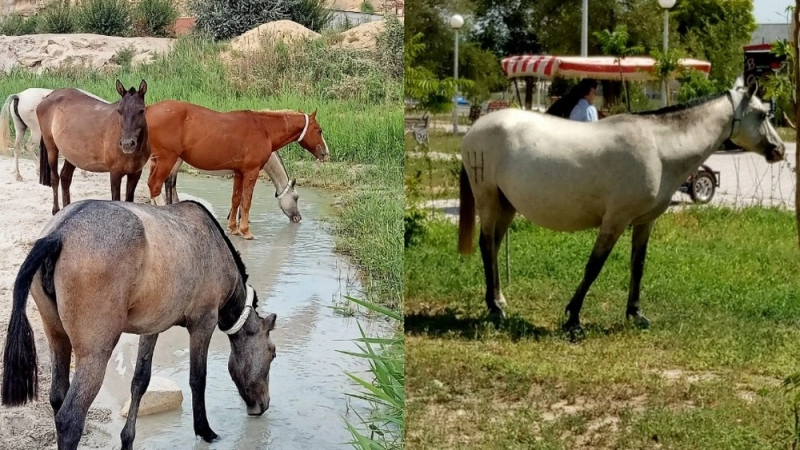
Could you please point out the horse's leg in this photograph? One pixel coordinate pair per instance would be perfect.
(159, 170)
(199, 338)
(236, 199)
(250, 180)
(641, 235)
(52, 160)
(116, 182)
(89, 372)
(130, 185)
(60, 347)
(66, 182)
(19, 129)
(141, 379)
(496, 214)
(606, 239)
(171, 183)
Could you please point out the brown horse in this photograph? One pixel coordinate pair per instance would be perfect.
(102, 268)
(95, 136)
(237, 141)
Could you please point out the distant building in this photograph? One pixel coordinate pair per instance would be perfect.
(767, 33)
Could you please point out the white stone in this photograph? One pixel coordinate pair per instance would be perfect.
(162, 395)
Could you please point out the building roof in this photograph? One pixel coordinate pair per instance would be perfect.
(767, 33)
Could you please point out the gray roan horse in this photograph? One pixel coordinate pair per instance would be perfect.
(95, 136)
(612, 174)
(103, 268)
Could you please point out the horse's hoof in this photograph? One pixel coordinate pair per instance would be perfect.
(574, 330)
(234, 231)
(209, 436)
(640, 321)
(18, 177)
(248, 235)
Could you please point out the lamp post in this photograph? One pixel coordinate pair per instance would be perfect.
(456, 22)
(585, 28)
(666, 4)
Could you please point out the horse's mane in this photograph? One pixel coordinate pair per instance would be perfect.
(683, 106)
(279, 111)
(235, 253)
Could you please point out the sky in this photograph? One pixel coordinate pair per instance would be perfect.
(772, 11)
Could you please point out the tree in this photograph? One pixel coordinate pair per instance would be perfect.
(433, 93)
(615, 43)
(506, 27)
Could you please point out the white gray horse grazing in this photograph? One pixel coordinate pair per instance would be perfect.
(24, 115)
(612, 174)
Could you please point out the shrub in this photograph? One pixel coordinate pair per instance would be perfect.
(224, 19)
(17, 25)
(154, 17)
(390, 48)
(106, 17)
(311, 14)
(57, 18)
(367, 8)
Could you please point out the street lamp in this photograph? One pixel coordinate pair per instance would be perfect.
(456, 22)
(666, 4)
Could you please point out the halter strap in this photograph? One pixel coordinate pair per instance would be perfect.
(305, 128)
(735, 114)
(248, 306)
(284, 191)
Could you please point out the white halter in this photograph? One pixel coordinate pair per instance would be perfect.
(248, 306)
(284, 191)
(305, 128)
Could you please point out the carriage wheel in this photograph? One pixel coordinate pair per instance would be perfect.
(703, 187)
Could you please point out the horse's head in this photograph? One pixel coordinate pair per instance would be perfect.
(288, 201)
(311, 138)
(752, 129)
(252, 352)
(131, 111)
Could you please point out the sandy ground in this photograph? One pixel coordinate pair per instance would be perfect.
(26, 207)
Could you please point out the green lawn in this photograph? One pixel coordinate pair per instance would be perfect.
(721, 291)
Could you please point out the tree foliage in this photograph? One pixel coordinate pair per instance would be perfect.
(224, 19)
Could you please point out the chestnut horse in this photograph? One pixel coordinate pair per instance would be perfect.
(237, 141)
(102, 268)
(95, 136)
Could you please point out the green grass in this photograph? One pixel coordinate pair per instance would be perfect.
(720, 289)
(431, 177)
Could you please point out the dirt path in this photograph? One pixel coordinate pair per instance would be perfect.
(26, 209)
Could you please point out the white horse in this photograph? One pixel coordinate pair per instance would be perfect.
(612, 174)
(24, 115)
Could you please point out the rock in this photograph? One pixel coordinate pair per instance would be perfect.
(280, 30)
(43, 51)
(162, 395)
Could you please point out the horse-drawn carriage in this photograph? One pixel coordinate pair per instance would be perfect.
(700, 185)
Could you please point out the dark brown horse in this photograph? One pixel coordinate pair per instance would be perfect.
(237, 141)
(95, 136)
(103, 268)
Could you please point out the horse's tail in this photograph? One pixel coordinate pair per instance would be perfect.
(44, 164)
(5, 117)
(20, 374)
(466, 215)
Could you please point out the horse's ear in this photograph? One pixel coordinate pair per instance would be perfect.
(293, 183)
(314, 114)
(120, 89)
(142, 88)
(269, 321)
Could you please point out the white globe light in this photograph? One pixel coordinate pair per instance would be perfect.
(666, 4)
(457, 21)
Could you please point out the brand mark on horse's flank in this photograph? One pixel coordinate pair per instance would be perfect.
(473, 162)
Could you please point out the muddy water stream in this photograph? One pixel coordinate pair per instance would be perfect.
(296, 275)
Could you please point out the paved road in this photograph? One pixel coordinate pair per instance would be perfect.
(745, 179)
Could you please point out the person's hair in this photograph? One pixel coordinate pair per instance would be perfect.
(585, 86)
(563, 106)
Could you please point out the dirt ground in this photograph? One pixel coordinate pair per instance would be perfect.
(26, 207)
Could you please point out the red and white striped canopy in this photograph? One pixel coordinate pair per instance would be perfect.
(634, 68)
